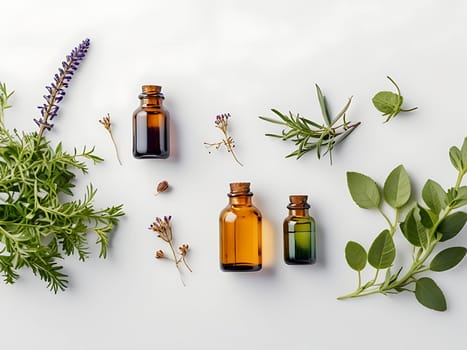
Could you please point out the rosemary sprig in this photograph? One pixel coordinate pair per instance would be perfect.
(309, 135)
(39, 223)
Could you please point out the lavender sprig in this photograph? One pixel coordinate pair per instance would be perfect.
(228, 142)
(49, 110)
(163, 228)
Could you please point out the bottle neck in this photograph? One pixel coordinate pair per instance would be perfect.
(244, 200)
(151, 100)
(299, 212)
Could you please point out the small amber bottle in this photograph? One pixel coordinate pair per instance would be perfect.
(299, 233)
(151, 137)
(240, 231)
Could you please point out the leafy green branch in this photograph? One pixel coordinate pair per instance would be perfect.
(38, 226)
(309, 135)
(425, 227)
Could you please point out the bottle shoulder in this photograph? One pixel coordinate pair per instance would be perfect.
(240, 210)
(151, 110)
(296, 218)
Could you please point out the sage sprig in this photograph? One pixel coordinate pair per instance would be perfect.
(426, 226)
(390, 103)
(309, 135)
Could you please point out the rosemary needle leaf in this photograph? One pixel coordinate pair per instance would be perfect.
(342, 112)
(274, 135)
(272, 120)
(322, 104)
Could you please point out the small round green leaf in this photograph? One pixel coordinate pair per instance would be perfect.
(451, 225)
(364, 190)
(428, 294)
(387, 102)
(447, 258)
(355, 255)
(382, 251)
(434, 196)
(397, 187)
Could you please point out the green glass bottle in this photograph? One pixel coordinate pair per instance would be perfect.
(299, 233)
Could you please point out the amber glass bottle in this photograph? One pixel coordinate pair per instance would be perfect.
(299, 233)
(151, 125)
(240, 231)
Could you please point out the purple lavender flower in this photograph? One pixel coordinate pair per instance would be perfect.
(49, 110)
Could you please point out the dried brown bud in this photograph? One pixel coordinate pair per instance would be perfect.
(160, 254)
(162, 187)
(183, 249)
(105, 121)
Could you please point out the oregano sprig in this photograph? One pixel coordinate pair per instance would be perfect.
(426, 226)
(390, 103)
(309, 135)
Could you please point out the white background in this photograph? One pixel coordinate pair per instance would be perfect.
(242, 57)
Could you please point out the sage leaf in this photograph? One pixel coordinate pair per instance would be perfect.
(456, 158)
(390, 103)
(396, 188)
(451, 225)
(355, 255)
(387, 102)
(447, 258)
(434, 196)
(364, 190)
(428, 294)
(382, 251)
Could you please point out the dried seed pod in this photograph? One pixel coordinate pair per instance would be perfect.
(162, 187)
(160, 254)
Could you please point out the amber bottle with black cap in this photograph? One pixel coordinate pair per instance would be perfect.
(151, 138)
(240, 231)
(299, 233)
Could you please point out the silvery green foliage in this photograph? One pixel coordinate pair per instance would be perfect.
(309, 135)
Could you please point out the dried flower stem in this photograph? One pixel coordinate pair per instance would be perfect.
(164, 231)
(105, 121)
(229, 143)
